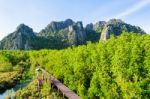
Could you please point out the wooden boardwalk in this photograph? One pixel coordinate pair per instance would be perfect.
(65, 90)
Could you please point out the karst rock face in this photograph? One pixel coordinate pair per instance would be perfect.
(76, 34)
(57, 26)
(62, 34)
(19, 39)
(69, 31)
(116, 26)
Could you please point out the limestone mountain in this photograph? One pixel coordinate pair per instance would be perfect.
(93, 31)
(65, 32)
(58, 35)
(56, 26)
(102, 30)
(116, 26)
(76, 34)
(19, 39)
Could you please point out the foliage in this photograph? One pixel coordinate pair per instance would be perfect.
(32, 92)
(5, 65)
(117, 68)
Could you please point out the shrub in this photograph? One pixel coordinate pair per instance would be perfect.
(5, 65)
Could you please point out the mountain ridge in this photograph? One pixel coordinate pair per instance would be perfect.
(62, 34)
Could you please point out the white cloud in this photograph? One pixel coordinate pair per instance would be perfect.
(133, 9)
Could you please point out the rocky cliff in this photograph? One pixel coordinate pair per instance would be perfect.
(19, 39)
(116, 26)
(68, 32)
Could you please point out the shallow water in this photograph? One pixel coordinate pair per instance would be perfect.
(8, 92)
(11, 92)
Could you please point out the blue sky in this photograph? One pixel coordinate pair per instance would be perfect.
(38, 13)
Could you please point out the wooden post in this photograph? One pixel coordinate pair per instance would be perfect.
(58, 92)
(63, 95)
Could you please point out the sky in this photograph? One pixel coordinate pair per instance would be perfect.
(39, 13)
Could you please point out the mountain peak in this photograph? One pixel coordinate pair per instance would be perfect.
(55, 26)
(22, 28)
(116, 26)
(114, 21)
(69, 21)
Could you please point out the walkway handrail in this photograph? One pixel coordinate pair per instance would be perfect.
(65, 90)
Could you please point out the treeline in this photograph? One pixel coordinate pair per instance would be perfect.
(117, 68)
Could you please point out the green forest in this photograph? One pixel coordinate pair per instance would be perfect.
(118, 68)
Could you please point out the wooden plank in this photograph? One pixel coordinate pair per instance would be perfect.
(65, 90)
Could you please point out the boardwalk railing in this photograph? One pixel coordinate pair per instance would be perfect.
(61, 87)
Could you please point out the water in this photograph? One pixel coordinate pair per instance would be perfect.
(11, 92)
